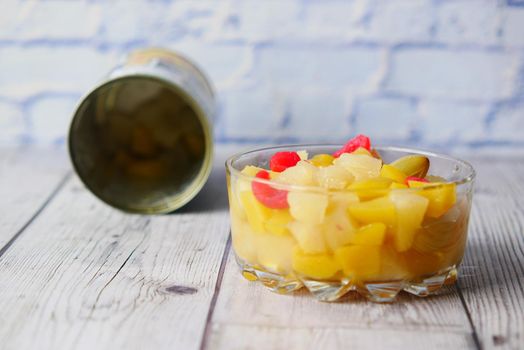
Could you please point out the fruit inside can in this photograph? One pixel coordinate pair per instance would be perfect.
(139, 143)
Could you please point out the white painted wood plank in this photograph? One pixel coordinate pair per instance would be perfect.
(252, 306)
(493, 285)
(85, 276)
(27, 178)
(235, 337)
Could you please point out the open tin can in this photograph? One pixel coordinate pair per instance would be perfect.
(141, 140)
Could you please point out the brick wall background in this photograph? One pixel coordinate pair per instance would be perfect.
(431, 73)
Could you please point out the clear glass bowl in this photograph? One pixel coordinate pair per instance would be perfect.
(314, 243)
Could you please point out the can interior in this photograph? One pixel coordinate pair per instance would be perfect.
(138, 143)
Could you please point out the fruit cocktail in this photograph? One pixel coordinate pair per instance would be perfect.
(332, 219)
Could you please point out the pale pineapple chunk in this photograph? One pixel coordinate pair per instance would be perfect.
(244, 240)
(410, 209)
(235, 207)
(342, 199)
(334, 177)
(303, 173)
(361, 166)
(251, 170)
(257, 214)
(303, 154)
(309, 237)
(244, 185)
(275, 252)
(339, 227)
(318, 266)
(308, 207)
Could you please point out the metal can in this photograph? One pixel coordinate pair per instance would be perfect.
(141, 140)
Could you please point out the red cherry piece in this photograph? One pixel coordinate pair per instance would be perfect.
(283, 160)
(267, 195)
(414, 178)
(353, 144)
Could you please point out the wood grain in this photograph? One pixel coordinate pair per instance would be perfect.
(87, 276)
(238, 336)
(241, 303)
(83, 275)
(493, 278)
(28, 178)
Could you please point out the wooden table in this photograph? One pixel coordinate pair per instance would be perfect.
(77, 274)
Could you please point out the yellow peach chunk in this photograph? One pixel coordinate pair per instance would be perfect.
(257, 214)
(412, 165)
(390, 172)
(278, 221)
(376, 210)
(370, 235)
(410, 209)
(360, 262)
(318, 266)
(398, 186)
(418, 184)
(322, 160)
(371, 188)
(362, 151)
(442, 196)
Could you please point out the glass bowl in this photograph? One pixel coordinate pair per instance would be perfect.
(366, 240)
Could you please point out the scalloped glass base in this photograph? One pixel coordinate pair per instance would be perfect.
(379, 292)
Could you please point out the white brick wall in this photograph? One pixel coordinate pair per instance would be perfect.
(374, 116)
(429, 73)
(453, 74)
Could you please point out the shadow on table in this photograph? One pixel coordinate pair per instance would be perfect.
(212, 197)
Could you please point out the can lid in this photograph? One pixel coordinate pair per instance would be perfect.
(141, 144)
